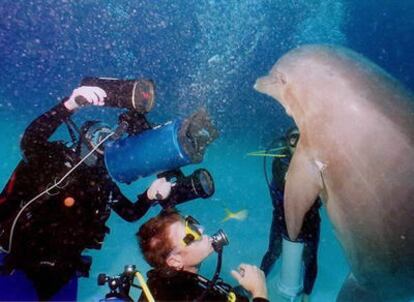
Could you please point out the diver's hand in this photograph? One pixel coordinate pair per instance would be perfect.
(85, 95)
(160, 189)
(252, 279)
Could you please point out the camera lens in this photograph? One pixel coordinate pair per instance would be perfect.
(205, 183)
(199, 184)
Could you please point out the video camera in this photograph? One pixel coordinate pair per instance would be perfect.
(140, 149)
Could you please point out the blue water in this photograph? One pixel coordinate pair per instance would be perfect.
(200, 53)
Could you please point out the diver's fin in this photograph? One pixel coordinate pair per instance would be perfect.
(303, 184)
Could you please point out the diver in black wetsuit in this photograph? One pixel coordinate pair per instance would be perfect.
(52, 232)
(309, 234)
(175, 247)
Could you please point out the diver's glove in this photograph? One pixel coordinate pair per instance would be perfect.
(160, 189)
(85, 95)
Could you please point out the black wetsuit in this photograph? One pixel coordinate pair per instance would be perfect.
(50, 235)
(171, 285)
(309, 233)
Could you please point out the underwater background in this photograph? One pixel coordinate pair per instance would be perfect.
(199, 53)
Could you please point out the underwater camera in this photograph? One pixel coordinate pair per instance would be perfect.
(199, 184)
(150, 150)
(139, 149)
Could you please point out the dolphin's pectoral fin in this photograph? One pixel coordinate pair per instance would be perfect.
(303, 184)
(352, 291)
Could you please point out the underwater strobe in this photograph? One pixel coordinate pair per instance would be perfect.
(137, 95)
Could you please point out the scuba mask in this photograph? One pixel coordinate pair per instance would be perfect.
(93, 133)
(193, 231)
(292, 138)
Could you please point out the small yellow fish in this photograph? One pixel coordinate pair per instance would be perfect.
(239, 215)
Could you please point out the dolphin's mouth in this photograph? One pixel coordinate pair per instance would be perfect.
(257, 86)
(262, 84)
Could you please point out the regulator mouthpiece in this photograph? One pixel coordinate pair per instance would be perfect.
(219, 240)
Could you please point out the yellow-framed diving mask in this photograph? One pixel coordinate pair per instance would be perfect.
(193, 231)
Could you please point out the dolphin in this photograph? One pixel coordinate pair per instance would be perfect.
(356, 151)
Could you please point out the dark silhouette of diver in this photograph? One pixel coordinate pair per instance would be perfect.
(49, 236)
(309, 234)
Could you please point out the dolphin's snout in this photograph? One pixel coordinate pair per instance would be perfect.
(260, 84)
(256, 85)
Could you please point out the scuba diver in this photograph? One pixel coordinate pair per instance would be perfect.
(175, 247)
(59, 197)
(306, 245)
